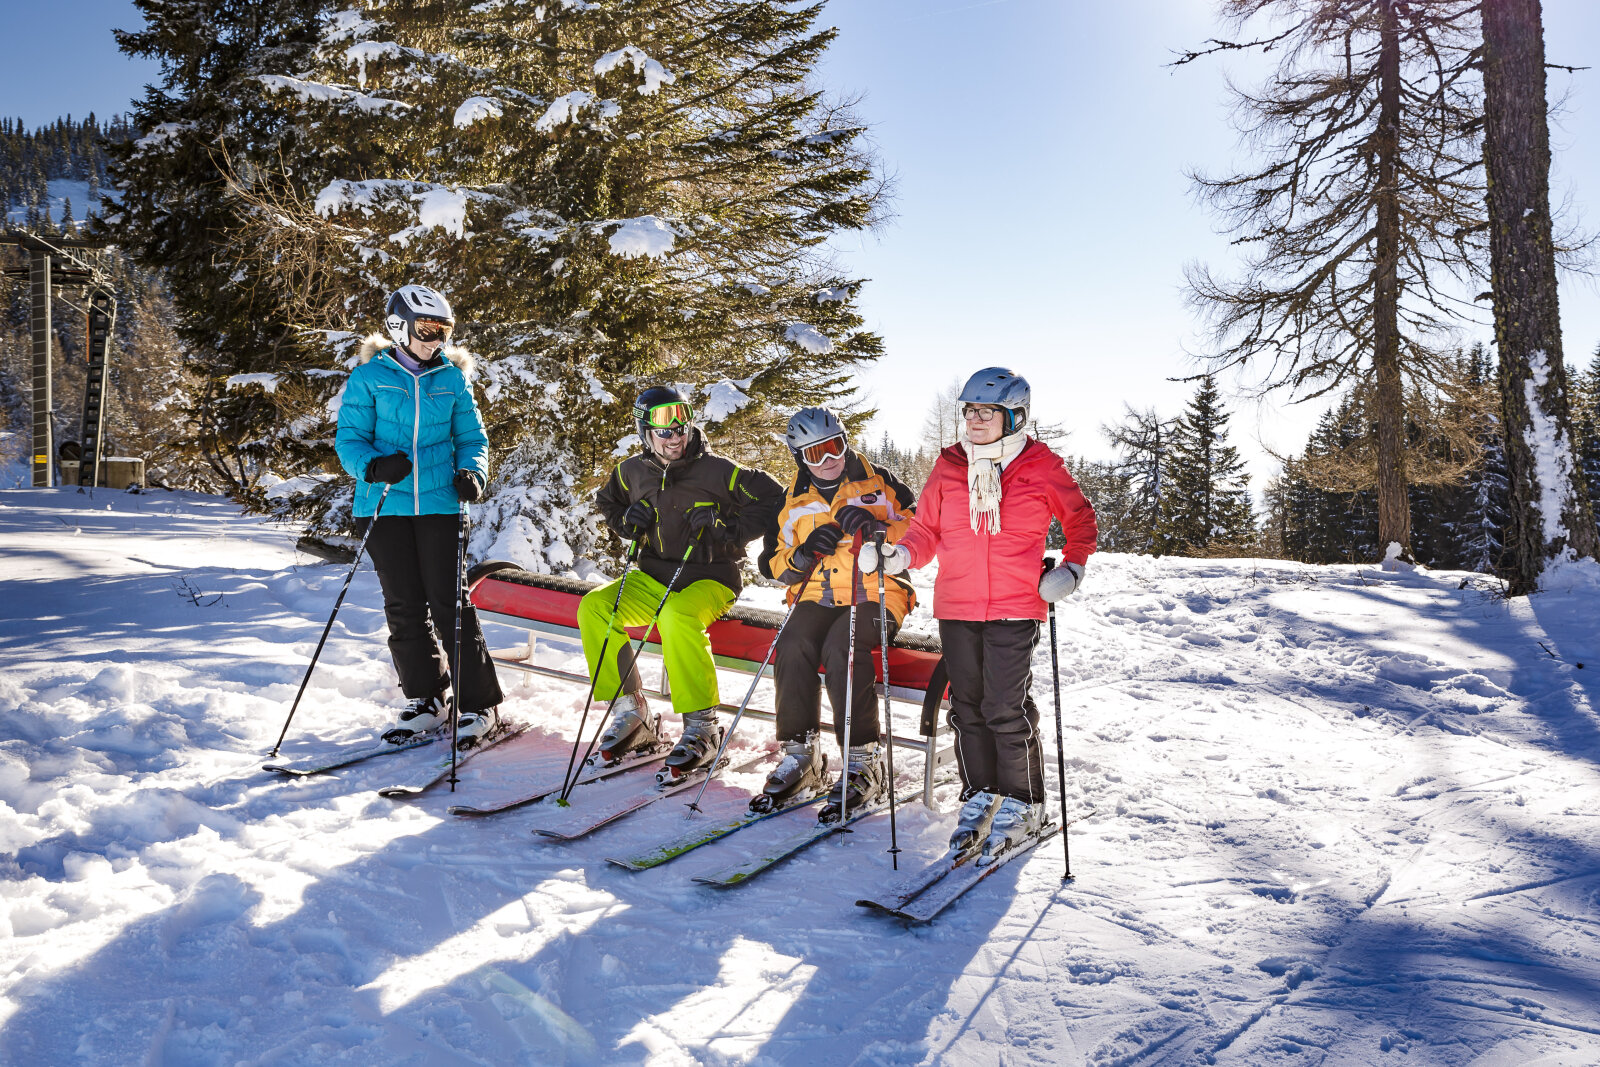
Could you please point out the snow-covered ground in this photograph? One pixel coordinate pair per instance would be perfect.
(1339, 816)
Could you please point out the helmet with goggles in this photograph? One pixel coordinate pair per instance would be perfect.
(815, 435)
(418, 313)
(998, 388)
(662, 408)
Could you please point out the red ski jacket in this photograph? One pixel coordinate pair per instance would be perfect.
(984, 576)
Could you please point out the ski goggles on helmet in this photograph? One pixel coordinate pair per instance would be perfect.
(981, 412)
(823, 451)
(665, 416)
(427, 330)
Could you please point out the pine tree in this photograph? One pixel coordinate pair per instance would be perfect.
(1143, 441)
(1208, 487)
(1486, 497)
(1368, 194)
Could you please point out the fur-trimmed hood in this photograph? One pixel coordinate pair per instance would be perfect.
(377, 342)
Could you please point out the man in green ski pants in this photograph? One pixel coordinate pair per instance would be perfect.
(685, 506)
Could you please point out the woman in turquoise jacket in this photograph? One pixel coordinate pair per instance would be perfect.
(407, 418)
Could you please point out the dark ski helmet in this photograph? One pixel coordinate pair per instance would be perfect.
(1000, 387)
(661, 406)
(815, 430)
(411, 304)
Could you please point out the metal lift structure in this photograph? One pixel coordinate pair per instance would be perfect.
(56, 263)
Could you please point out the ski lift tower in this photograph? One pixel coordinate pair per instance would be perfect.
(56, 263)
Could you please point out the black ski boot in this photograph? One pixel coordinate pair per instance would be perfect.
(800, 774)
(867, 778)
(630, 730)
(702, 736)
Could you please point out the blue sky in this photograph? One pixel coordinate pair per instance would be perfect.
(1043, 216)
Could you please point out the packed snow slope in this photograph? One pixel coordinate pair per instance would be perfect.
(1339, 816)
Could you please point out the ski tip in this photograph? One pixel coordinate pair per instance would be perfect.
(625, 864)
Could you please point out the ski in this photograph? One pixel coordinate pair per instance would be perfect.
(630, 804)
(705, 834)
(904, 892)
(743, 872)
(350, 754)
(944, 891)
(438, 770)
(598, 773)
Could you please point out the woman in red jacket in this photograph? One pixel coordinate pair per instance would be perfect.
(985, 513)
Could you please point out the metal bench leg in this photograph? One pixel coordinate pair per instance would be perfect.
(930, 764)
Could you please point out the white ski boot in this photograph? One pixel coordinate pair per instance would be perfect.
(420, 716)
(801, 773)
(473, 726)
(631, 728)
(972, 826)
(1014, 822)
(702, 736)
(867, 777)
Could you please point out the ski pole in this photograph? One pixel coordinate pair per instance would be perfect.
(888, 715)
(633, 660)
(622, 583)
(1061, 757)
(465, 517)
(849, 690)
(336, 605)
(694, 805)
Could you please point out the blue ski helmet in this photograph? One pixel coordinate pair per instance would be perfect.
(1000, 387)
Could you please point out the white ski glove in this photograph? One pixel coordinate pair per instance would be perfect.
(895, 559)
(1060, 582)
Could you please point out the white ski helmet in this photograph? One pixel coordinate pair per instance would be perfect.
(810, 427)
(1000, 387)
(412, 302)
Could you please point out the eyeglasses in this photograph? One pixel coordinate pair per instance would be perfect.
(675, 413)
(822, 451)
(667, 433)
(981, 412)
(427, 330)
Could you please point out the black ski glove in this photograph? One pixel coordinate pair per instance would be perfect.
(822, 541)
(391, 469)
(468, 487)
(639, 517)
(703, 518)
(854, 517)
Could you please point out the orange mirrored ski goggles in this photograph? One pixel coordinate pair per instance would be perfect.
(676, 413)
(426, 330)
(822, 451)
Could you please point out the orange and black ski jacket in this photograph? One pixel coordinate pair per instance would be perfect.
(836, 580)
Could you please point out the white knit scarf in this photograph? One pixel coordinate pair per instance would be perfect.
(983, 477)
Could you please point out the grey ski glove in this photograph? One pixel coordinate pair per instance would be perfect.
(1060, 582)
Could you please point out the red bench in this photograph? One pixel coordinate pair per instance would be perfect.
(544, 604)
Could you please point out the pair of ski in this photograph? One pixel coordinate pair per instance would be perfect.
(428, 775)
(938, 885)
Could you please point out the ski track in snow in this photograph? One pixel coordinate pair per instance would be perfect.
(1341, 816)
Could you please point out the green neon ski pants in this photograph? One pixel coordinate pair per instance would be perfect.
(681, 629)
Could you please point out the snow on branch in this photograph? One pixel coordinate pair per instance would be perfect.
(809, 338)
(724, 398)
(655, 75)
(476, 109)
(322, 92)
(566, 108)
(643, 236)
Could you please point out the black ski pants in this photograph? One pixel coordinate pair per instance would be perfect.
(817, 636)
(415, 557)
(992, 712)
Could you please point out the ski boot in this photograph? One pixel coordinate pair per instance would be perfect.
(702, 736)
(1014, 822)
(801, 773)
(972, 826)
(474, 726)
(631, 729)
(420, 716)
(865, 775)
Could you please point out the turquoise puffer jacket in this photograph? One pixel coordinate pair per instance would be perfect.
(432, 418)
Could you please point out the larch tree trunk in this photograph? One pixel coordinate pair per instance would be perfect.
(1394, 504)
(1550, 516)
